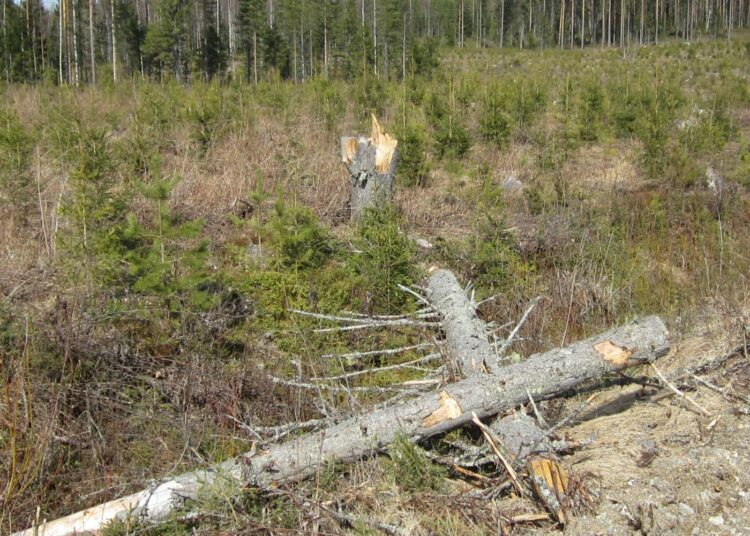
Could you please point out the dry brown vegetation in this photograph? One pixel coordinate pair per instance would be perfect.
(121, 363)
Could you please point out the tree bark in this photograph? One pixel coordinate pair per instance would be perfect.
(541, 375)
(372, 165)
(465, 334)
(114, 42)
(92, 55)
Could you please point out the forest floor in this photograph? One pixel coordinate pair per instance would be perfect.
(661, 467)
(155, 238)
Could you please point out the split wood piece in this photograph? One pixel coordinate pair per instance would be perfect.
(550, 483)
(371, 163)
(543, 375)
(466, 337)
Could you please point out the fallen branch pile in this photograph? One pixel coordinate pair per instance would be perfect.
(485, 389)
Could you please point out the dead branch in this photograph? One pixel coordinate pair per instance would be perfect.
(408, 364)
(372, 353)
(509, 338)
(679, 393)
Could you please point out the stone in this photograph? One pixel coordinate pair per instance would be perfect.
(512, 184)
(685, 510)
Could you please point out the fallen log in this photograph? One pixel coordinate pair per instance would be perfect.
(465, 334)
(541, 375)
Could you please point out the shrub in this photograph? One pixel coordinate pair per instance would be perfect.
(297, 238)
(591, 111)
(659, 106)
(425, 57)
(205, 113)
(386, 259)
(493, 123)
(410, 467)
(452, 139)
(15, 157)
(412, 169)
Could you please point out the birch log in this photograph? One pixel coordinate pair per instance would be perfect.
(372, 165)
(541, 376)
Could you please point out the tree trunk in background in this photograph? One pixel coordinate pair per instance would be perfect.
(656, 27)
(6, 60)
(255, 57)
(583, 22)
(502, 22)
(76, 70)
(375, 36)
(92, 55)
(114, 41)
(371, 163)
(485, 395)
(325, 43)
(561, 26)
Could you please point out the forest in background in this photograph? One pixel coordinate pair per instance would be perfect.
(74, 41)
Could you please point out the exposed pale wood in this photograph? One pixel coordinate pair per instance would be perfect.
(543, 375)
(371, 163)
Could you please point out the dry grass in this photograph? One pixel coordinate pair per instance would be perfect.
(158, 411)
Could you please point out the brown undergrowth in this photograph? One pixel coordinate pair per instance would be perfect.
(139, 332)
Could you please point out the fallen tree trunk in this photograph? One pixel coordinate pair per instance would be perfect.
(465, 334)
(541, 375)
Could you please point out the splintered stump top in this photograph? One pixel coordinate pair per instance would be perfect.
(371, 163)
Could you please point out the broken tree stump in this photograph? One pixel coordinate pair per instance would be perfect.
(541, 375)
(371, 163)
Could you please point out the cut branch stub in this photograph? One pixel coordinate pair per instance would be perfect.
(372, 165)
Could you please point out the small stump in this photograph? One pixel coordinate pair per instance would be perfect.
(372, 165)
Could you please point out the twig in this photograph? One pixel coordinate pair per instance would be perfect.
(538, 415)
(679, 393)
(508, 467)
(577, 411)
(509, 339)
(389, 351)
(417, 383)
(718, 389)
(498, 328)
(351, 521)
(427, 311)
(419, 297)
(361, 319)
(488, 300)
(425, 359)
(335, 388)
(379, 324)
(281, 430)
(719, 361)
